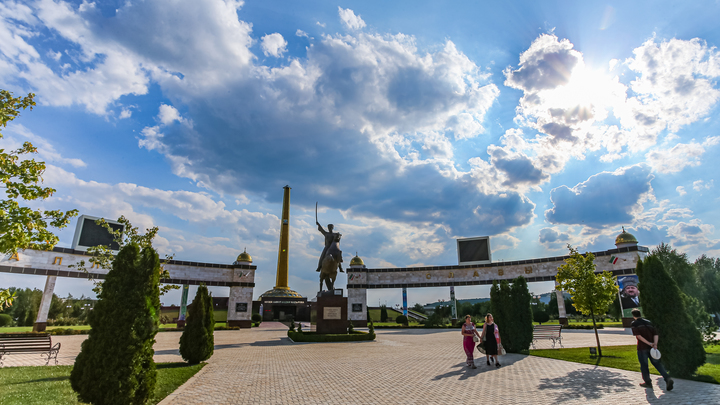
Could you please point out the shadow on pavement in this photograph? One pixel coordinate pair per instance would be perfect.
(464, 372)
(586, 384)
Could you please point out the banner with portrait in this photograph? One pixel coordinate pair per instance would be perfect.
(629, 294)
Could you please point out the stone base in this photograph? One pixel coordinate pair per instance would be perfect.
(39, 326)
(241, 324)
(331, 326)
(627, 322)
(180, 324)
(359, 323)
(563, 321)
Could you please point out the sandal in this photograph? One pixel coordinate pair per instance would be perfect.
(488, 362)
(497, 365)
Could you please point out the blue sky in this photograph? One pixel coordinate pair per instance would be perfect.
(410, 123)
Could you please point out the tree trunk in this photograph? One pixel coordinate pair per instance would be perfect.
(597, 338)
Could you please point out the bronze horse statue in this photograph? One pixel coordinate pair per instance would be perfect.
(330, 264)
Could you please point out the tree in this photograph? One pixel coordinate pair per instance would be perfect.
(418, 308)
(591, 293)
(663, 304)
(22, 227)
(679, 268)
(540, 316)
(401, 319)
(383, 313)
(115, 364)
(197, 342)
(500, 308)
(521, 316)
(708, 273)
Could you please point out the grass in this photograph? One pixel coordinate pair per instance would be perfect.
(50, 385)
(625, 358)
(22, 329)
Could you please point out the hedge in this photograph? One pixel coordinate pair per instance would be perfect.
(356, 336)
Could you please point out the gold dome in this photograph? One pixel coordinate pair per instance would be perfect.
(281, 292)
(244, 257)
(357, 261)
(625, 237)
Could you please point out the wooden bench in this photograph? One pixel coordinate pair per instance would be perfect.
(28, 343)
(552, 332)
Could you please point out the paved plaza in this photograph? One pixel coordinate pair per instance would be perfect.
(262, 366)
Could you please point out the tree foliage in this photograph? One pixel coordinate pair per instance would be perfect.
(197, 342)
(22, 227)
(663, 304)
(591, 293)
(511, 309)
(115, 364)
(383, 313)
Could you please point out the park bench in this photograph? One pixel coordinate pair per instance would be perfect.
(552, 332)
(28, 343)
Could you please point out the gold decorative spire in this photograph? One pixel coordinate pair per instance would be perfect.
(283, 254)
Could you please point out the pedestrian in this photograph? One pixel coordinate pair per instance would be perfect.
(491, 338)
(470, 337)
(647, 338)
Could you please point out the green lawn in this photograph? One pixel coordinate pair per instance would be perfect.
(50, 385)
(21, 329)
(625, 358)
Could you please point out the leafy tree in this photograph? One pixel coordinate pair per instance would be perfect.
(614, 309)
(591, 293)
(383, 313)
(501, 309)
(115, 364)
(197, 342)
(418, 308)
(6, 299)
(708, 273)
(679, 268)
(663, 304)
(22, 227)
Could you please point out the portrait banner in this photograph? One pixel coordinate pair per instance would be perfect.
(629, 294)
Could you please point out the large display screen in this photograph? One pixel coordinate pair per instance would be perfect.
(88, 234)
(474, 250)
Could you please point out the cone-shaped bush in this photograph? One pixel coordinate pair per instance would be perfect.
(500, 308)
(197, 342)
(115, 364)
(662, 304)
(521, 316)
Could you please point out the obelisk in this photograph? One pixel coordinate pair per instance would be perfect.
(281, 282)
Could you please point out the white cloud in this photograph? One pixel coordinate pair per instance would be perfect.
(700, 185)
(680, 156)
(274, 44)
(125, 113)
(301, 33)
(350, 20)
(168, 114)
(681, 190)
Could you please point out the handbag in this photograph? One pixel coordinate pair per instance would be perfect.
(475, 339)
(481, 348)
(501, 350)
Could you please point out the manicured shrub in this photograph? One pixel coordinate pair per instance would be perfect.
(5, 320)
(292, 325)
(540, 316)
(663, 304)
(197, 342)
(521, 316)
(115, 364)
(401, 319)
(257, 318)
(383, 313)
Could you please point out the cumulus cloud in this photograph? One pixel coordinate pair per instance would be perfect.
(700, 185)
(552, 238)
(274, 45)
(679, 156)
(680, 190)
(603, 199)
(350, 20)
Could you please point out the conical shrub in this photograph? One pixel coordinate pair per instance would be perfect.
(197, 342)
(662, 304)
(115, 364)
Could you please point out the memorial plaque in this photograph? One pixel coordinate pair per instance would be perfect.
(357, 307)
(332, 313)
(241, 307)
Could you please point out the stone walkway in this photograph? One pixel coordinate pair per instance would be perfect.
(262, 366)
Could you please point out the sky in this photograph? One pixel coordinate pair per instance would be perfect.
(410, 123)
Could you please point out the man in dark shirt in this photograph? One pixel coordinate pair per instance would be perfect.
(647, 338)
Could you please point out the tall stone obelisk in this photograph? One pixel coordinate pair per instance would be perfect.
(281, 282)
(283, 262)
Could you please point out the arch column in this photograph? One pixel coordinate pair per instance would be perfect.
(562, 315)
(41, 320)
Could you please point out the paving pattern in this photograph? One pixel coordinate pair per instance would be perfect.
(262, 366)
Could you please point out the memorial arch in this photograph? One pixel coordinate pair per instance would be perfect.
(619, 261)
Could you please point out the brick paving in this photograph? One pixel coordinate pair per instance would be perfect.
(262, 366)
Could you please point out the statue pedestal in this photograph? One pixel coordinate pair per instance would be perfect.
(332, 315)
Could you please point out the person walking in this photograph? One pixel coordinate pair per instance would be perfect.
(491, 338)
(469, 333)
(647, 338)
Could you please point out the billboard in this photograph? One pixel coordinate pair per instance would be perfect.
(629, 294)
(474, 250)
(88, 233)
